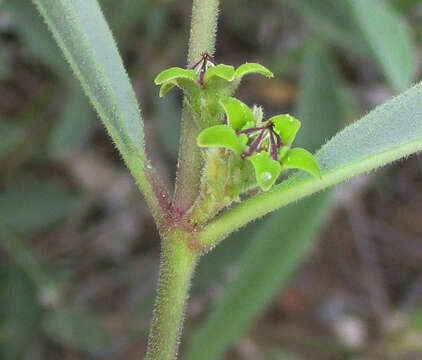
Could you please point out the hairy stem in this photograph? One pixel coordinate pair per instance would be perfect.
(178, 261)
(203, 29)
(202, 39)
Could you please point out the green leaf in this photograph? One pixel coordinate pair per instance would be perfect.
(73, 128)
(22, 313)
(322, 107)
(222, 136)
(252, 68)
(266, 266)
(267, 170)
(390, 132)
(166, 87)
(5, 61)
(404, 5)
(76, 328)
(126, 15)
(35, 207)
(286, 126)
(36, 37)
(390, 40)
(22, 256)
(301, 159)
(331, 20)
(223, 71)
(282, 152)
(238, 113)
(12, 135)
(82, 33)
(415, 320)
(173, 74)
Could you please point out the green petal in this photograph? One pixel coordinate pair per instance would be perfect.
(223, 71)
(299, 158)
(267, 170)
(175, 73)
(222, 136)
(238, 113)
(165, 88)
(286, 126)
(252, 68)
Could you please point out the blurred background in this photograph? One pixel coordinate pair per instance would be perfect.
(336, 276)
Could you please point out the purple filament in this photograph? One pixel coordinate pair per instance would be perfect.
(254, 145)
(273, 146)
(249, 131)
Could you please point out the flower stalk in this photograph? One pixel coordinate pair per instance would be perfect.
(178, 260)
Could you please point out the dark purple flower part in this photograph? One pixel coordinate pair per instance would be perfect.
(260, 143)
(202, 65)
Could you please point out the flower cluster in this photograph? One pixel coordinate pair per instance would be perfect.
(205, 85)
(226, 122)
(266, 144)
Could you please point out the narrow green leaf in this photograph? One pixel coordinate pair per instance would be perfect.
(73, 128)
(238, 113)
(125, 16)
(5, 63)
(222, 71)
(12, 135)
(76, 328)
(267, 170)
(252, 68)
(35, 207)
(286, 126)
(322, 107)
(36, 37)
(390, 132)
(174, 73)
(266, 266)
(221, 136)
(301, 159)
(404, 5)
(82, 33)
(331, 20)
(390, 39)
(22, 313)
(22, 256)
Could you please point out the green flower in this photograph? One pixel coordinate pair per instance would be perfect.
(204, 74)
(266, 144)
(205, 85)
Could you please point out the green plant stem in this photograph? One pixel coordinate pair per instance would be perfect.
(178, 261)
(202, 39)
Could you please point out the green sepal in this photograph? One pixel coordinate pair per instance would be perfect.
(248, 125)
(282, 152)
(302, 159)
(252, 68)
(286, 126)
(223, 71)
(222, 136)
(238, 113)
(165, 88)
(173, 74)
(267, 170)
